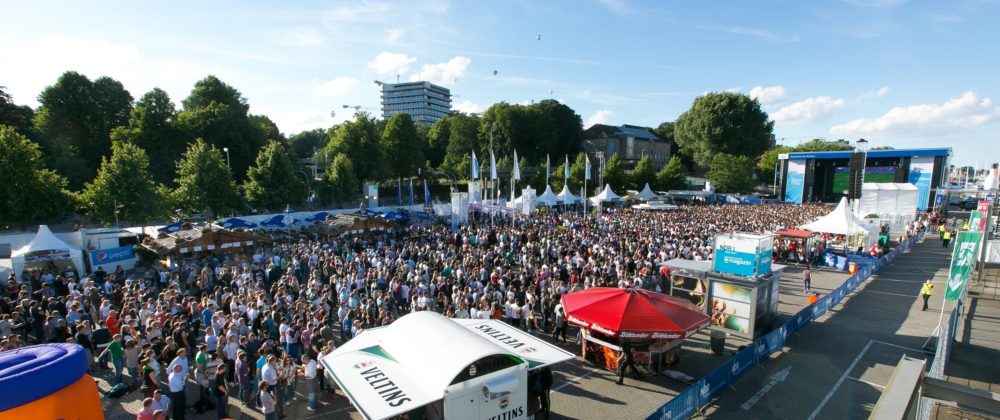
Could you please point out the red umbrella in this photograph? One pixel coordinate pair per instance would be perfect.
(634, 313)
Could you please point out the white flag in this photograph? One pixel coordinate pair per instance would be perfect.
(475, 166)
(548, 169)
(493, 166)
(586, 173)
(517, 168)
(566, 168)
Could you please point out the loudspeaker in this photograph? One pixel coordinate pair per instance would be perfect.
(855, 168)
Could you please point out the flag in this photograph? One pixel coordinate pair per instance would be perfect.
(548, 169)
(963, 258)
(475, 166)
(427, 194)
(493, 166)
(566, 168)
(399, 192)
(586, 173)
(411, 191)
(517, 169)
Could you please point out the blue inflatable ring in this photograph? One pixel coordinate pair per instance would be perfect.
(31, 373)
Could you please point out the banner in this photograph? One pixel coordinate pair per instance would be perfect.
(921, 169)
(111, 255)
(976, 221)
(962, 260)
(795, 180)
(743, 254)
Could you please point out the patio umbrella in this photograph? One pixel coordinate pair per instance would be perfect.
(634, 313)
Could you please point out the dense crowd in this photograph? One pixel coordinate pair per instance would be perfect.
(251, 325)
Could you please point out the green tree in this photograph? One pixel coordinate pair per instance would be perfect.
(18, 117)
(731, 174)
(74, 122)
(665, 131)
(820, 145)
(267, 128)
(462, 140)
(152, 126)
(123, 181)
(671, 176)
(272, 183)
(438, 136)
(614, 174)
(401, 149)
(557, 179)
(578, 171)
(727, 122)
(204, 182)
(29, 192)
(643, 173)
(769, 161)
(217, 113)
(359, 141)
(340, 185)
(306, 144)
(553, 128)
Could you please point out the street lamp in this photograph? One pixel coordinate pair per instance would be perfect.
(228, 162)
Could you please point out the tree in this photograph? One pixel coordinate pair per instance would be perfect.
(204, 182)
(18, 117)
(152, 126)
(75, 120)
(554, 128)
(217, 113)
(769, 161)
(557, 179)
(726, 122)
(820, 145)
(665, 131)
(401, 149)
(614, 174)
(643, 173)
(359, 141)
(272, 183)
(577, 173)
(123, 185)
(438, 137)
(340, 184)
(29, 192)
(463, 138)
(671, 176)
(306, 144)
(267, 128)
(731, 174)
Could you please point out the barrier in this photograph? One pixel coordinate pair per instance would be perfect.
(706, 389)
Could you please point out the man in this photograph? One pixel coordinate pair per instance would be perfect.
(926, 291)
(220, 391)
(177, 381)
(269, 376)
(945, 238)
(807, 280)
(160, 402)
(309, 372)
(117, 353)
(624, 362)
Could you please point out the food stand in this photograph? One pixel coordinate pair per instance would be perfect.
(428, 366)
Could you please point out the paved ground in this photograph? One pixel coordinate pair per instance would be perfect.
(838, 365)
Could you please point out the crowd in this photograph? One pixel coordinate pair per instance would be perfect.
(254, 325)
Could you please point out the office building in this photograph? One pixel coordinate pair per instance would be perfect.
(424, 101)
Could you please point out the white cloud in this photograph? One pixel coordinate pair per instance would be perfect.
(966, 111)
(446, 73)
(882, 91)
(599, 117)
(305, 38)
(809, 110)
(467, 107)
(617, 6)
(878, 93)
(393, 35)
(769, 95)
(335, 87)
(391, 63)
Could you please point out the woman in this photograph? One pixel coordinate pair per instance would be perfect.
(132, 362)
(267, 402)
(149, 382)
(532, 323)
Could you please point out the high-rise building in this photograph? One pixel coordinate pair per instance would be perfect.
(424, 101)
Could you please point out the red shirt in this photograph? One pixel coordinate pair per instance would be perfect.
(112, 324)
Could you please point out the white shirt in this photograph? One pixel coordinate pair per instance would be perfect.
(269, 375)
(177, 381)
(162, 404)
(183, 361)
(311, 369)
(231, 349)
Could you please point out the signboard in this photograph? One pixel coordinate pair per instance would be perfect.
(743, 254)
(795, 180)
(921, 169)
(732, 307)
(962, 260)
(111, 255)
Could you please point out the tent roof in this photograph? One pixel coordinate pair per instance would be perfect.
(795, 233)
(44, 240)
(567, 196)
(548, 197)
(646, 193)
(840, 221)
(606, 195)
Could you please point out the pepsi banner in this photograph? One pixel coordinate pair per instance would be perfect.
(111, 255)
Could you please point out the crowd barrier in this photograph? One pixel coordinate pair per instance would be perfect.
(945, 341)
(706, 389)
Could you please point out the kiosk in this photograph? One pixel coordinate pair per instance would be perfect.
(439, 368)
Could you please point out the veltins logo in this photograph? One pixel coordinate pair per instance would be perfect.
(704, 390)
(364, 364)
(527, 350)
(736, 366)
(504, 402)
(761, 347)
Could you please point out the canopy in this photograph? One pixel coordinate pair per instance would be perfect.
(795, 233)
(567, 197)
(318, 217)
(422, 354)
(237, 223)
(548, 198)
(606, 195)
(646, 194)
(634, 313)
(887, 200)
(280, 221)
(44, 248)
(840, 221)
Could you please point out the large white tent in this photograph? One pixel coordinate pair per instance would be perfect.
(840, 221)
(646, 194)
(46, 248)
(567, 197)
(605, 195)
(548, 198)
(893, 203)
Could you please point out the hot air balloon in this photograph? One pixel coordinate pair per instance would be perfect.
(333, 114)
(494, 72)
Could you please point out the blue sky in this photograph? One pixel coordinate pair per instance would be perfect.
(898, 73)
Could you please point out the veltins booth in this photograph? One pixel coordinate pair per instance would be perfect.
(434, 367)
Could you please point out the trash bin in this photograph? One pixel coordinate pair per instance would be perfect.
(718, 342)
(852, 268)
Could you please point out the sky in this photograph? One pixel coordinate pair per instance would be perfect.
(906, 74)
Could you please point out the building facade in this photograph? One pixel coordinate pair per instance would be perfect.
(424, 101)
(630, 143)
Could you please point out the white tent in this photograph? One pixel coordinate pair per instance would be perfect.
(567, 197)
(840, 221)
(646, 194)
(895, 203)
(548, 198)
(47, 248)
(606, 195)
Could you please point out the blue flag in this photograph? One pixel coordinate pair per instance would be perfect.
(475, 166)
(427, 194)
(411, 191)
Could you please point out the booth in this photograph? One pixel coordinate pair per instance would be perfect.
(792, 245)
(894, 203)
(841, 221)
(567, 197)
(427, 366)
(47, 252)
(606, 195)
(646, 194)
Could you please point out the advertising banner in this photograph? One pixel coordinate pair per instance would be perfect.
(732, 307)
(111, 255)
(921, 169)
(976, 221)
(743, 254)
(962, 259)
(795, 181)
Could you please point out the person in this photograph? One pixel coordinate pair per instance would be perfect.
(560, 332)
(945, 238)
(243, 377)
(149, 382)
(267, 402)
(147, 410)
(625, 361)
(160, 402)
(177, 381)
(117, 353)
(926, 291)
(807, 280)
(309, 372)
(221, 392)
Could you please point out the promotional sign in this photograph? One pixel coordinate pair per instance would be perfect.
(111, 255)
(732, 307)
(962, 260)
(977, 220)
(795, 180)
(743, 254)
(921, 169)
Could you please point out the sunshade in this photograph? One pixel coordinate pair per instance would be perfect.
(634, 313)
